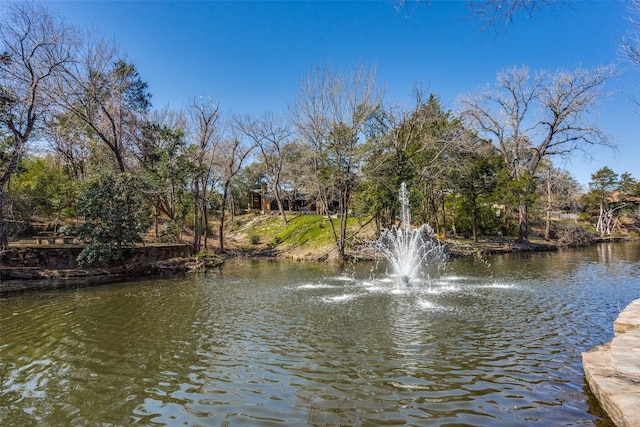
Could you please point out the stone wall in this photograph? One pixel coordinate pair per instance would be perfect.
(47, 267)
(45, 257)
(612, 370)
(60, 257)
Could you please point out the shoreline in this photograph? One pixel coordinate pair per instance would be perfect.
(156, 261)
(29, 279)
(28, 267)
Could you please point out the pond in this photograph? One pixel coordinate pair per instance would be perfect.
(479, 342)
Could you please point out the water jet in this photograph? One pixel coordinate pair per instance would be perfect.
(408, 249)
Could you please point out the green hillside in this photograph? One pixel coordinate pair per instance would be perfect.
(304, 237)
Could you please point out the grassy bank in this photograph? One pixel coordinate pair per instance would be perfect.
(304, 237)
(309, 237)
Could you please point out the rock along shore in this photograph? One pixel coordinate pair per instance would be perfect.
(612, 370)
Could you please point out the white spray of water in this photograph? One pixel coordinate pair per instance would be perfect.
(407, 248)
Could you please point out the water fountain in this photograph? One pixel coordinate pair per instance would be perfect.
(408, 249)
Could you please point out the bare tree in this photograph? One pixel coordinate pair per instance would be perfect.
(604, 182)
(159, 147)
(106, 93)
(498, 14)
(272, 135)
(67, 137)
(630, 46)
(35, 46)
(530, 118)
(330, 111)
(206, 131)
(558, 189)
(231, 155)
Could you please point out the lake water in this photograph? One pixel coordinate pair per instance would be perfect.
(495, 342)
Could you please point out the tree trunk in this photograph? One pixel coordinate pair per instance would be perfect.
(523, 227)
(4, 240)
(205, 218)
(232, 208)
(120, 161)
(600, 225)
(325, 202)
(433, 212)
(197, 228)
(444, 220)
(10, 169)
(223, 205)
(344, 216)
(474, 219)
(280, 206)
(156, 218)
(547, 228)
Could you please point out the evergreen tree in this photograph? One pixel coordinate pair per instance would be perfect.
(115, 213)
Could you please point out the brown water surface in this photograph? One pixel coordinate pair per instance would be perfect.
(482, 343)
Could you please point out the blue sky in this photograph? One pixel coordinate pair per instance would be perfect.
(250, 55)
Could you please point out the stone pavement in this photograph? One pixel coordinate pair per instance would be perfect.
(613, 369)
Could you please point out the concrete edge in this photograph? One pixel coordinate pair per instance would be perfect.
(617, 392)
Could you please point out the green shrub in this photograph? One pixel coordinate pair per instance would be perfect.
(115, 213)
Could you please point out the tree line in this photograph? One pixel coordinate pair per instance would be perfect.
(80, 138)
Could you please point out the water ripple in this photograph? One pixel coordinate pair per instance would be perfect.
(292, 344)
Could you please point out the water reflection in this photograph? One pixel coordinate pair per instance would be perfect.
(264, 343)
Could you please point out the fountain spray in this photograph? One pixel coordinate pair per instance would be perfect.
(407, 248)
